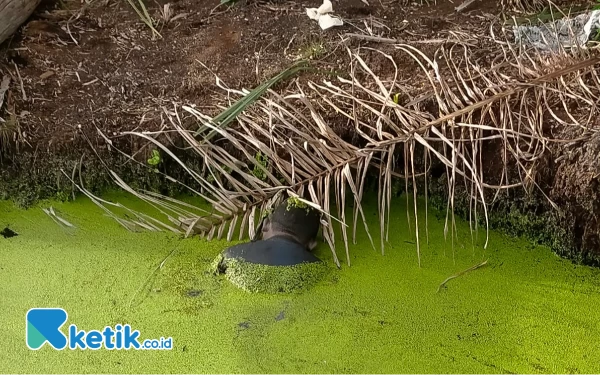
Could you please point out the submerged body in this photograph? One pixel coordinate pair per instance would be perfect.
(298, 224)
(288, 234)
(274, 251)
(280, 261)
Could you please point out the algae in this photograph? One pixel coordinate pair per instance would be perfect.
(527, 311)
(263, 161)
(259, 278)
(520, 215)
(294, 202)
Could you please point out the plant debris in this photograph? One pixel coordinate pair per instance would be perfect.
(461, 273)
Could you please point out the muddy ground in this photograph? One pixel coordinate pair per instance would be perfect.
(77, 67)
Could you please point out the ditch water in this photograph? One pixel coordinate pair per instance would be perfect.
(525, 311)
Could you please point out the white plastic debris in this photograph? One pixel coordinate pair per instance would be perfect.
(565, 32)
(321, 15)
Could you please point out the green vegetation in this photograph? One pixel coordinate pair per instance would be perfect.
(258, 278)
(258, 172)
(312, 50)
(526, 311)
(142, 12)
(295, 202)
(226, 117)
(518, 216)
(155, 159)
(30, 179)
(9, 131)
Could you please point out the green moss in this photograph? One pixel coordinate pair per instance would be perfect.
(32, 177)
(294, 202)
(518, 215)
(258, 278)
(264, 162)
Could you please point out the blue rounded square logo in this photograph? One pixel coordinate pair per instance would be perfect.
(43, 325)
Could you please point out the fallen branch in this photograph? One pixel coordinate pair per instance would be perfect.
(378, 39)
(372, 38)
(461, 273)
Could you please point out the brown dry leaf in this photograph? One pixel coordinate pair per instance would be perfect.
(47, 74)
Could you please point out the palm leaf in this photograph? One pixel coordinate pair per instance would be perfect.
(226, 117)
(509, 101)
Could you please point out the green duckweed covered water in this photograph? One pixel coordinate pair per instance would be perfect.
(259, 278)
(526, 311)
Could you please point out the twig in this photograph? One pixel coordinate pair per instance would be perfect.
(441, 41)
(464, 5)
(71, 35)
(160, 266)
(3, 88)
(90, 82)
(461, 273)
(21, 81)
(372, 38)
(288, 45)
(379, 39)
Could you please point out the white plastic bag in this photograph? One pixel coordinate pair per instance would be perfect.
(321, 15)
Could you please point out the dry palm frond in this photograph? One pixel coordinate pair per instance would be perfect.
(230, 114)
(460, 111)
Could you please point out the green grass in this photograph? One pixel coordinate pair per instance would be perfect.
(312, 50)
(527, 311)
(142, 12)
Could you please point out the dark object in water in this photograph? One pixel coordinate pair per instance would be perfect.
(280, 260)
(281, 316)
(288, 234)
(298, 224)
(275, 251)
(8, 233)
(194, 293)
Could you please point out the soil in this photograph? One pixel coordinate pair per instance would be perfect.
(110, 73)
(79, 68)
